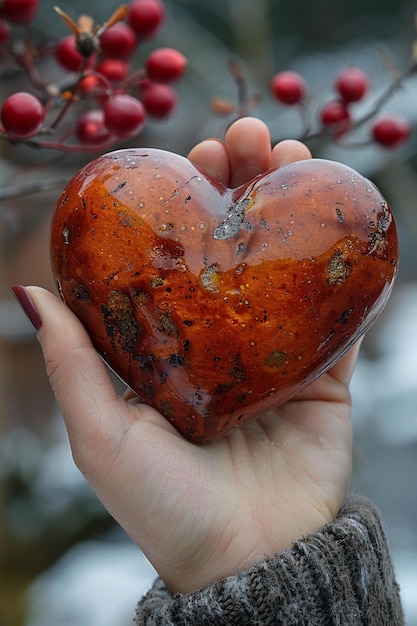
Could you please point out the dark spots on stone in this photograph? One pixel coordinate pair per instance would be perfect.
(384, 219)
(238, 373)
(146, 362)
(146, 390)
(197, 401)
(125, 219)
(240, 249)
(167, 409)
(167, 325)
(377, 238)
(84, 203)
(119, 187)
(140, 297)
(345, 316)
(127, 330)
(110, 331)
(276, 359)
(65, 200)
(338, 269)
(82, 293)
(66, 233)
(283, 235)
(240, 417)
(187, 322)
(59, 288)
(107, 279)
(247, 225)
(177, 360)
(339, 215)
(157, 281)
(187, 199)
(186, 345)
(264, 225)
(240, 269)
(223, 388)
(166, 228)
(243, 397)
(106, 312)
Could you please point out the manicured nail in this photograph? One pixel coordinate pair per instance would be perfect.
(23, 297)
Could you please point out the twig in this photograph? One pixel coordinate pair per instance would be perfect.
(34, 186)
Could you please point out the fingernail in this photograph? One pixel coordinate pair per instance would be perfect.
(23, 297)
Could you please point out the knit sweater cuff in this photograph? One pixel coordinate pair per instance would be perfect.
(342, 575)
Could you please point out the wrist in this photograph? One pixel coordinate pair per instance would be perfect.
(229, 556)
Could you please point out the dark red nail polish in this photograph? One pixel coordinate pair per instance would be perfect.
(23, 297)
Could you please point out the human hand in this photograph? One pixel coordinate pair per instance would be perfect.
(203, 512)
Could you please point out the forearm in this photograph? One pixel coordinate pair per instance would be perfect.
(341, 575)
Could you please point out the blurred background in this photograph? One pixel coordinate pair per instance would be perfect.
(63, 561)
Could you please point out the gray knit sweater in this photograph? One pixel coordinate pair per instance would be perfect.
(342, 575)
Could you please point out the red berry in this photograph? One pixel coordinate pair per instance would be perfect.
(91, 128)
(67, 55)
(146, 17)
(19, 11)
(336, 114)
(158, 99)
(4, 32)
(115, 70)
(391, 131)
(124, 115)
(118, 42)
(22, 115)
(289, 87)
(165, 65)
(352, 84)
(90, 84)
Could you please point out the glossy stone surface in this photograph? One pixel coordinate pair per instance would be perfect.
(215, 304)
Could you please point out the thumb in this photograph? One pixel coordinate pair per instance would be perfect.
(79, 378)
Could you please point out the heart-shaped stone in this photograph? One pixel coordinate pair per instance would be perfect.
(215, 304)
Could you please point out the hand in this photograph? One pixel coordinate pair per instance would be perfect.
(200, 513)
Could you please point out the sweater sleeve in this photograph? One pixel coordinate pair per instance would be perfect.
(342, 575)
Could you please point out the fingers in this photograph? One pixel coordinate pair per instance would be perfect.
(211, 156)
(80, 380)
(245, 153)
(289, 151)
(248, 143)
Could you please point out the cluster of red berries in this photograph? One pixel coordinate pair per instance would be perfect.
(335, 116)
(97, 65)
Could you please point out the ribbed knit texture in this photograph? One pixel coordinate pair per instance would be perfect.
(341, 576)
